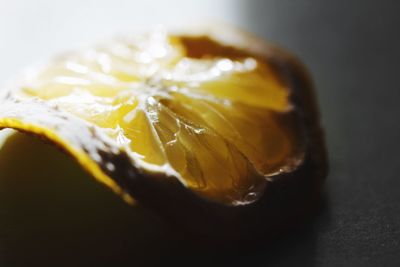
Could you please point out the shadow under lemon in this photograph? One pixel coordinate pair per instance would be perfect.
(54, 214)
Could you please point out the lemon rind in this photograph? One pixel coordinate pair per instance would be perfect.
(75, 151)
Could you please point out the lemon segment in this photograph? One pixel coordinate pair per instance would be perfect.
(220, 123)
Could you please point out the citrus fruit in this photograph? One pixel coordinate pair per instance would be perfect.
(183, 124)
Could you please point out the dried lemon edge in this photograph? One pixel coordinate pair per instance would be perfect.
(14, 120)
(84, 161)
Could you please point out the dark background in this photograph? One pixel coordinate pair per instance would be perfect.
(352, 50)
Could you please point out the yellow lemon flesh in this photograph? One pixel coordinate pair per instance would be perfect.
(214, 117)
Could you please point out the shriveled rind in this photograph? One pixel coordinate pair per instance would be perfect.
(286, 196)
(85, 144)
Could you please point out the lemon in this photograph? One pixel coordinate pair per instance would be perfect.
(217, 119)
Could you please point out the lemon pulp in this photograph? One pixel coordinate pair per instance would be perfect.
(214, 117)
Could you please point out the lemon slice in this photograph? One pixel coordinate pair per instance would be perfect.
(217, 119)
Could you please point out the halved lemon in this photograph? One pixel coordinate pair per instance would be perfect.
(215, 118)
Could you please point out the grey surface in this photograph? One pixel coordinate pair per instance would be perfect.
(352, 50)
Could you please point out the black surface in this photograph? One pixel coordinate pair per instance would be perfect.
(352, 50)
